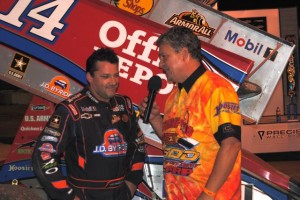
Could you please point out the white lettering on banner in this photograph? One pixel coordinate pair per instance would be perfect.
(39, 118)
(142, 72)
(14, 15)
(47, 23)
(103, 33)
(30, 128)
(124, 64)
(13, 168)
(141, 75)
(140, 45)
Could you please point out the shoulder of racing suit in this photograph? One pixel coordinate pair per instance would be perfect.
(71, 105)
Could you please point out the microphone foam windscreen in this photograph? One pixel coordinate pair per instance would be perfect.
(154, 83)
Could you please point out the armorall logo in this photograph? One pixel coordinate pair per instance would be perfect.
(194, 21)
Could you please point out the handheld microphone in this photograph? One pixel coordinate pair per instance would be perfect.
(154, 85)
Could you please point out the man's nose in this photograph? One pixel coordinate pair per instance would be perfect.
(114, 80)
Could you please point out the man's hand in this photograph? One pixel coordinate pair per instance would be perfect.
(154, 111)
(131, 187)
(204, 196)
(155, 118)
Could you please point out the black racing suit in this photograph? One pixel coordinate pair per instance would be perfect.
(100, 144)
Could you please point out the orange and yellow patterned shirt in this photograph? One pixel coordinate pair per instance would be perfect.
(194, 125)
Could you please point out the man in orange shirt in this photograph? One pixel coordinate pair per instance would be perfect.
(200, 130)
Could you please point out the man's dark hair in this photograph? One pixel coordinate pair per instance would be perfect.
(102, 54)
(179, 37)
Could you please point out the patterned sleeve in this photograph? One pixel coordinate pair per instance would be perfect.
(225, 117)
(47, 155)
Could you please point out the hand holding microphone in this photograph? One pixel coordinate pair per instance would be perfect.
(154, 85)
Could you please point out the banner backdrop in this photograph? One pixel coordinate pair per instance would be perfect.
(269, 53)
(46, 44)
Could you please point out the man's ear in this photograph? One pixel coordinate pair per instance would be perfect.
(185, 54)
(89, 77)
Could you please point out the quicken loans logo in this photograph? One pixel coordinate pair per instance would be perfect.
(250, 45)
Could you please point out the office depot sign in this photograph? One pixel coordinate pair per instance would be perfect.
(62, 34)
(56, 37)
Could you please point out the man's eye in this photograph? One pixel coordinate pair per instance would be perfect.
(105, 76)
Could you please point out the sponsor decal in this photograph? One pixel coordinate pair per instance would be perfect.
(38, 118)
(55, 121)
(179, 157)
(113, 145)
(24, 12)
(118, 108)
(47, 147)
(179, 168)
(89, 116)
(115, 119)
(49, 138)
(59, 86)
(26, 148)
(51, 170)
(75, 96)
(278, 134)
(173, 123)
(51, 131)
(88, 93)
(13, 168)
(18, 66)
(73, 109)
(52, 163)
(169, 138)
(250, 45)
(25, 151)
(194, 21)
(31, 128)
(137, 7)
(227, 107)
(180, 161)
(39, 107)
(261, 134)
(45, 155)
(88, 109)
(228, 128)
(86, 116)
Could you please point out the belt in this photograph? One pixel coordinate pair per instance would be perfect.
(96, 184)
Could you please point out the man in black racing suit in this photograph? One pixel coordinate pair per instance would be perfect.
(96, 131)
